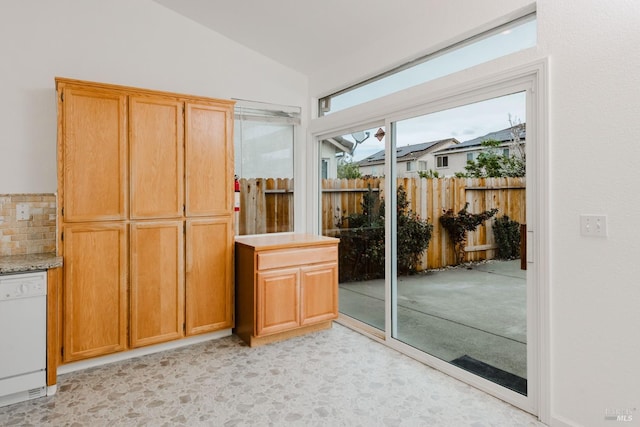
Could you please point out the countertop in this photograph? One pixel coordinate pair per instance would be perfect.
(21, 263)
(284, 240)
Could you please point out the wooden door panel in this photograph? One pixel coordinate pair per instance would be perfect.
(94, 155)
(157, 162)
(157, 282)
(95, 290)
(278, 301)
(209, 275)
(319, 293)
(209, 159)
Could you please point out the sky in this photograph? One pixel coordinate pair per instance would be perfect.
(463, 123)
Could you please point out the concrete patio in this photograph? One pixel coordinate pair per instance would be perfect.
(477, 310)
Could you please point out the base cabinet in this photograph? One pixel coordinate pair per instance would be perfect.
(278, 299)
(316, 303)
(286, 285)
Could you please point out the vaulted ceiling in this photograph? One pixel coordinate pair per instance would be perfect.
(307, 35)
(341, 42)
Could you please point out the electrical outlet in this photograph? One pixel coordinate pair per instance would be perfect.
(593, 225)
(22, 212)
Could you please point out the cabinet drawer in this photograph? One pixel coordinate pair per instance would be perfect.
(288, 258)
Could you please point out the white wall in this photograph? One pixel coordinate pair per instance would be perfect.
(328, 152)
(594, 106)
(134, 43)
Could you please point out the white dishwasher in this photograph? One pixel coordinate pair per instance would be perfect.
(23, 336)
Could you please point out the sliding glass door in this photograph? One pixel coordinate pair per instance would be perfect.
(459, 291)
(433, 209)
(352, 208)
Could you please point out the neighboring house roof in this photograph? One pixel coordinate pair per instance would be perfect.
(503, 135)
(341, 144)
(406, 153)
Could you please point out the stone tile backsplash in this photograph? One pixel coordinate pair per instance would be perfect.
(36, 233)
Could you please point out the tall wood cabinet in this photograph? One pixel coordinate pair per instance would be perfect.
(145, 208)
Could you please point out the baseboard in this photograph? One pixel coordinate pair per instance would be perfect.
(52, 389)
(143, 351)
(557, 421)
(258, 341)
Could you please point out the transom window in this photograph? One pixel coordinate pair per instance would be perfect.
(512, 37)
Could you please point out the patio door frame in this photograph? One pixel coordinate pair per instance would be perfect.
(442, 94)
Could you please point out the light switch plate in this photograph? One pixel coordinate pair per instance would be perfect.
(593, 225)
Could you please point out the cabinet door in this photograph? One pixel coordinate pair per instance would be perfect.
(277, 300)
(209, 275)
(209, 159)
(157, 162)
(95, 290)
(93, 155)
(318, 293)
(157, 282)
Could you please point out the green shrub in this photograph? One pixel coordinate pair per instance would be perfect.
(490, 163)
(361, 248)
(457, 226)
(348, 170)
(413, 235)
(430, 174)
(507, 235)
(362, 239)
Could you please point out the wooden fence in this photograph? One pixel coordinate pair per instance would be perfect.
(431, 197)
(267, 206)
